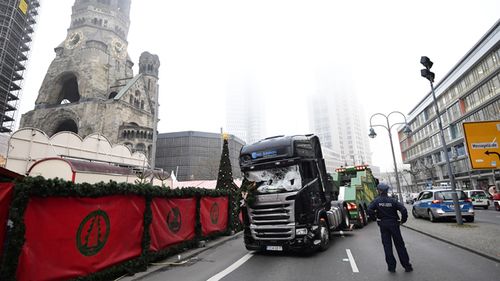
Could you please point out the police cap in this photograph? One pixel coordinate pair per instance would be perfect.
(383, 187)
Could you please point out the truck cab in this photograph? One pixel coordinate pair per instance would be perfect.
(290, 203)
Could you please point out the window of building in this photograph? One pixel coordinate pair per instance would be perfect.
(68, 89)
(453, 131)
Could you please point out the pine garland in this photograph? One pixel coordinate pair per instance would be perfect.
(29, 187)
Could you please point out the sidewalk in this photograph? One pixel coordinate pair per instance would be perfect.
(478, 237)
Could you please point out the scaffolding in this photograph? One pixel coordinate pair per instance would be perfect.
(17, 20)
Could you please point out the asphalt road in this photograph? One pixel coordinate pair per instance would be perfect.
(488, 216)
(356, 255)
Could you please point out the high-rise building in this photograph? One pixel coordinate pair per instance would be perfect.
(90, 86)
(469, 92)
(337, 118)
(245, 111)
(196, 155)
(17, 20)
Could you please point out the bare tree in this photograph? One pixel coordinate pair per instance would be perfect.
(413, 171)
(162, 176)
(143, 176)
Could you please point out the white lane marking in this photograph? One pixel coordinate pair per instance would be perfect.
(231, 268)
(352, 261)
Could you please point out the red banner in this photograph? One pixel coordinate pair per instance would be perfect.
(71, 237)
(6, 190)
(173, 221)
(213, 214)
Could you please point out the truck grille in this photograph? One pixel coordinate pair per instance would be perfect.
(272, 218)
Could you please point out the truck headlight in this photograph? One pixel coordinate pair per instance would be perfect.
(300, 231)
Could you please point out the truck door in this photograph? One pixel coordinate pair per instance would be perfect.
(311, 197)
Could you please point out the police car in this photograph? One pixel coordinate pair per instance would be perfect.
(438, 203)
(479, 198)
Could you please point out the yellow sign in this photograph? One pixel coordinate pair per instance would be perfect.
(483, 140)
(23, 6)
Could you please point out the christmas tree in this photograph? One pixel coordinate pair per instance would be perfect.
(225, 181)
(225, 177)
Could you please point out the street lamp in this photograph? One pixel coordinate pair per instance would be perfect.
(429, 75)
(389, 126)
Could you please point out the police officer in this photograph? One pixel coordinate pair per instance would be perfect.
(385, 210)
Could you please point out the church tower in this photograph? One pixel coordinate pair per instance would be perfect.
(90, 86)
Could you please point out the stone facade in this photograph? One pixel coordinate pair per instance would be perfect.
(90, 86)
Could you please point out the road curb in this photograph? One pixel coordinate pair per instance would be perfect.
(184, 257)
(495, 259)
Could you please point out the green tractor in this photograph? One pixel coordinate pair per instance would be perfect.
(357, 187)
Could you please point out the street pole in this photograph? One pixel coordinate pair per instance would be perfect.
(406, 130)
(400, 196)
(429, 75)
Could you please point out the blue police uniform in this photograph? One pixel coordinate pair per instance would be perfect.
(385, 210)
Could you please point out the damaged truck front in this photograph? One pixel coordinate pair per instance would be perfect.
(289, 200)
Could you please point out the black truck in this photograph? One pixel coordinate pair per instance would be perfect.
(290, 200)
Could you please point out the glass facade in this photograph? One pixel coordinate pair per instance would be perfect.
(474, 96)
(195, 155)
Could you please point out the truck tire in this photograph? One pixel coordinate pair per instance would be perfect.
(324, 234)
(365, 216)
(361, 218)
(346, 224)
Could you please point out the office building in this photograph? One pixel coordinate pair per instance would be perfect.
(469, 92)
(245, 110)
(336, 117)
(196, 155)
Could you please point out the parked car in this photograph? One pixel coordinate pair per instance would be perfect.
(438, 203)
(411, 197)
(496, 201)
(479, 198)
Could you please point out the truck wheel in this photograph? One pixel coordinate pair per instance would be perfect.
(365, 217)
(469, 219)
(346, 224)
(497, 206)
(324, 235)
(361, 218)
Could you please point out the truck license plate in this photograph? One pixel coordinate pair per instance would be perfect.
(274, 248)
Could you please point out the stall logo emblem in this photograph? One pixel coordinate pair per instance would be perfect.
(93, 233)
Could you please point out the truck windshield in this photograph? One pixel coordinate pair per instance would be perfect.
(276, 180)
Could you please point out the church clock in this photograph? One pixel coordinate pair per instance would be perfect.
(74, 39)
(118, 49)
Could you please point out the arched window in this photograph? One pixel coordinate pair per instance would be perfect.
(67, 125)
(69, 89)
(140, 147)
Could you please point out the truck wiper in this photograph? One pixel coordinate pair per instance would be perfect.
(310, 183)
